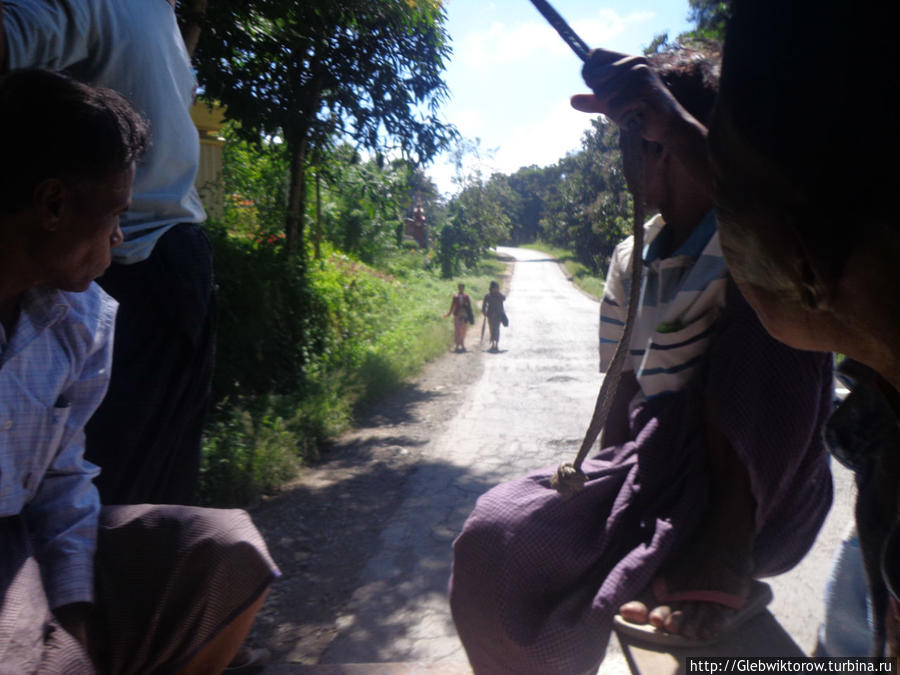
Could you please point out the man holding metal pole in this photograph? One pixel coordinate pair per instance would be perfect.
(685, 504)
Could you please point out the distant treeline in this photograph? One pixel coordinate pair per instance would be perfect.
(581, 203)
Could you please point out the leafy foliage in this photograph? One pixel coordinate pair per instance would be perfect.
(588, 210)
(580, 204)
(710, 17)
(312, 72)
(365, 204)
(478, 217)
(477, 220)
(302, 347)
(255, 177)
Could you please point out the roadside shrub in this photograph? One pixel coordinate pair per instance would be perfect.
(301, 351)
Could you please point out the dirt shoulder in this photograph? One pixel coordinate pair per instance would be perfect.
(324, 526)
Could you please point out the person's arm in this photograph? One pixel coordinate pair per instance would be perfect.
(51, 35)
(63, 513)
(628, 91)
(62, 522)
(452, 307)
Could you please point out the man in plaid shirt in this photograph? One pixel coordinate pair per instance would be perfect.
(146, 588)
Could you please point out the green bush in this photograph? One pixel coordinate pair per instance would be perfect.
(303, 350)
(304, 346)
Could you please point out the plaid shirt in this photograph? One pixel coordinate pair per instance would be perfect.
(54, 371)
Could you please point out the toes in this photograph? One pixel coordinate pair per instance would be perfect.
(693, 620)
(674, 622)
(634, 611)
(660, 615)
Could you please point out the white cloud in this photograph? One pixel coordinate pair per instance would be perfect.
(640, 17)
(502, 43)
(542, 143)
(470, 122)
(545, 141)
(442, 173)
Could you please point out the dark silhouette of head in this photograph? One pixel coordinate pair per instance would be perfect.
(804, 140)
(54, 126)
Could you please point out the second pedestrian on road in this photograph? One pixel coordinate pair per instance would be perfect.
(492, 308)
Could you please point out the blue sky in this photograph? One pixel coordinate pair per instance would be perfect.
(510, 75)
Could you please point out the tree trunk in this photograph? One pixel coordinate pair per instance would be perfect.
(296, 195)
(192, 12)
(318, 240)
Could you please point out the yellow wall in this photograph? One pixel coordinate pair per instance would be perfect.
(209, 123)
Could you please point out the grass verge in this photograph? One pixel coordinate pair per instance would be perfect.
(581, 275)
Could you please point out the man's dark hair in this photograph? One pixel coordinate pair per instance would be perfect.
(52, 126)
(692, 75)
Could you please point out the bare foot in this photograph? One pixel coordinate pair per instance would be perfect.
(719, 558)
(716, 562)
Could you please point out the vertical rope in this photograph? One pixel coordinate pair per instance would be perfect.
(569, 478)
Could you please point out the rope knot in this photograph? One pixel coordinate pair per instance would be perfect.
(568, 480)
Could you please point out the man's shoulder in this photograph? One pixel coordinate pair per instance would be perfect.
(93, 309)
(620, 261)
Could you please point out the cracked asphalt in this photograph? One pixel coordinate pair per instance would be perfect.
(364, 537)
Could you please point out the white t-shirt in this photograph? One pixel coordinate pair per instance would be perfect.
(134, 47)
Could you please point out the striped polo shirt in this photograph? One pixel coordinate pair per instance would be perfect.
(681, 296)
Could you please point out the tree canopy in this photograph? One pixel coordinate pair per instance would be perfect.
(710, 17)
(315, 72)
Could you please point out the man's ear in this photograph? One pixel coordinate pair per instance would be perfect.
(50, 198)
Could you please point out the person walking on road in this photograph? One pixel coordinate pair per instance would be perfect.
(492, 308)
(461, 309)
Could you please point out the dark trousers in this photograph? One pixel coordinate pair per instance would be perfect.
(146, 435)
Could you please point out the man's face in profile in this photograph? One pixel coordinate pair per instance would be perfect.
(78, 250)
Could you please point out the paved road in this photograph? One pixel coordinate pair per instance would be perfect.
(529, 409)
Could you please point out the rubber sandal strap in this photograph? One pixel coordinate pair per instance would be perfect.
(730, 600)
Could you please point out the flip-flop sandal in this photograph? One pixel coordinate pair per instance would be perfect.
(745, 608)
